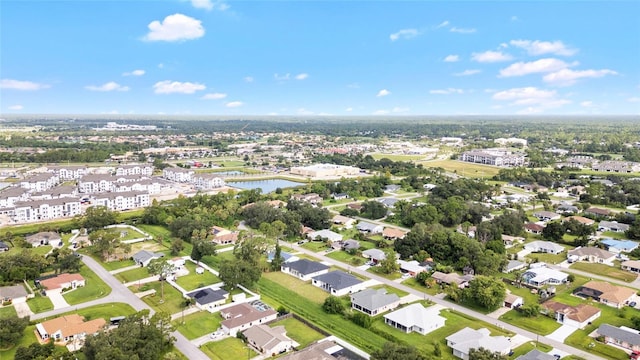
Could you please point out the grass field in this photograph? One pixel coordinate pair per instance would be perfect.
(316, 246)
(40, 304)
(6, 311)
(111, 265)
(605, 270)
(299, 332)
(377, 270)
(540, 324)
(305, 289)
(345, 257)
(227, 349)
(95, 288)
(215, 260)
(132, 275)
(398, 157)
(198, 324)
(130, 234)
(194, 281)
(172, 298)
(463, 168)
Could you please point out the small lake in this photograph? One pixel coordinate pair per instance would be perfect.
(231, 172)
(267, 186)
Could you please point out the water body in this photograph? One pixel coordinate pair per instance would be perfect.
(267, 186)
(231, 172)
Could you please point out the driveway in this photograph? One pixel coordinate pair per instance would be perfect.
(562, 333)
(22, 309)
(56, 298)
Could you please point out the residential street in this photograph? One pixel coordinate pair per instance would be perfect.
(464, 310)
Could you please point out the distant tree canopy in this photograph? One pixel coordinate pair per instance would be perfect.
(11, 329)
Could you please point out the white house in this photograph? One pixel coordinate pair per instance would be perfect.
(374, 301)
(243, 316)
(466, 339)
(376, 255)
(269, 341)
(544, 247)
(338, 283)
(304, 269)
(592, 255)
(512, 301)
(370, 228)
(325, 234)
(209, 299)
(416, 317)
(540, 276)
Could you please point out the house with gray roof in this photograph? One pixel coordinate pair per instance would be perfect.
(376, 255)
(540, 246)
(144, 257)
(325, 234)
(370, 228)
(338, 283)
(415, 317)
(514, 265)
(388, 202)
(208, 298)
(269, 341)
(612, 226)
(374, 301)
(14, 293)
(350, 244)
(304, 269)
(44, 238)
(466, 339)
(536, 354)
(620, 336)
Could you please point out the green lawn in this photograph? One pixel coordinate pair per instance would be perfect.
(299, 332)
(316, 246)
(161, 231)
(198, 324)
(109, 266)
(227, 349)
(305, 289)
(463, 168)
(194, 281)
(413, 283)
(605, 270)
(130, 234)
(215, 260)
(95, 288)
(540, 324)
(548, 258)
(345, 257)
(28, 337)
(132, 275)
(615, 235)
(377, 270)
(40, 304)
(173, 299)
(6, 311)
(528, 346)
(41, 250)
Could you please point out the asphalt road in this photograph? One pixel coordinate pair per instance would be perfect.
(119, 293)
(461, 309)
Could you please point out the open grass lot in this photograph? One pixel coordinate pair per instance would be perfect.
(540, 324)
(528, 346)
(307, 290)
(158, 231)
(41, 250)
(194, 281)
(605, 270)
(95, 288)
(172, 298)
(132, 275)
(227, 349)
(548, 258)
(40, 304)
(6, 311)
(198, 324)
(316, 246)
(215, 260)
(110, 265)
(299, 332)
(129, 234)
(345, 257)
(463, 168)
(413, 283)
(377, 270)
(398, 157)
(615, 235)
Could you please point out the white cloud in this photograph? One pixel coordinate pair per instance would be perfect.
(462, 30)
(21, 85)
(349, 109)
(176, 27)
(447, 91)
(248, 79)
(170, 87)
(398, 109)
(566, 77)
(468, 72)
(383, 92)
(535, 100)
(110, 86)
(538, 47)
(404, 34)
(380, 112)
(214, 96)
(490, 56)
(587, 104)
(134, 73)
(302, 76)
(284, 77)
(443, 24)
(234, 104)
(533, 67)
(634, 99)
(16, 107)
(452, 58)
(210, 5)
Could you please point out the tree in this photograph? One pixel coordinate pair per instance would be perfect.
(177, 245)
(554, 231)
(65, 260)
(11, 329)
(202, 248)
(373, 210)
(487, 292)
(530, 310)
(104, 243)
(162, 268)
(237, 272)
(333, 305)
(389, 264)
(485, 354)
(97, 217)
(361, 319)
(393, 351)
(276, 262)
(251, 247)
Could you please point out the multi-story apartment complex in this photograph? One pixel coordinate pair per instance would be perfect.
(134, 169)
(118, 201)
(178, 174)
(40, 182)
(496, 157)
(37, 210)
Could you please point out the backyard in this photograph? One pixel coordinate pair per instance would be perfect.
(299, 331)
(40, 304)
(198, 324)
(193, 280)
(605, 270)
(95, 288)
(173, 300)
(305, 289)
(133, 274)
(227, 349)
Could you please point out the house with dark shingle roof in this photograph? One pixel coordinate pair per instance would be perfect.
(612, 226)
(208, 299)
(304, 269)
(620, 336)
(14, 293)
(374, 301)
(338, 283)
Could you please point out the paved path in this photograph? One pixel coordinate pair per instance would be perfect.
(116, 271)
(119, 293)
(57, 299)
(447, 304)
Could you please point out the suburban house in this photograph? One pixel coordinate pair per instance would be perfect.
(388, 202)
(533, 228)
(461, 281)
(223, 236)
(539, 246)
(416, 317)
(393, 233)
(512, 301)
(392, 188)
(577, 316)
(374, 301)
(413, 267)
(243, 316)
(324, 234)
(208, 299)
(340, 196)
(536, 354)
(606, 293)
(631, 265)
(269, 341)
(514, 265)
(370, 228)
(567, 209)
(285, 256)
(619, 246)
(375, 255)
(540, 275)
(597, 212)
(3, 246)
(592, 255)
(510, 241)
(312, 198)
(546, 215)
(321, 350)
(144, 257)
(338, 283)
(304, 269)
(68, 328)
(343, 221)
(581, 219)
(62, 281)
(466, 339)
(44, 238)
(623, 337)
(15, 294)
(350, 244)
(612, 226)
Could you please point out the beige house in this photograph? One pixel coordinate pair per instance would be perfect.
(68, 328)
(269, 341)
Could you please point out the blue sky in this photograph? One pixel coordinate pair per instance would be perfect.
(319, 57)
